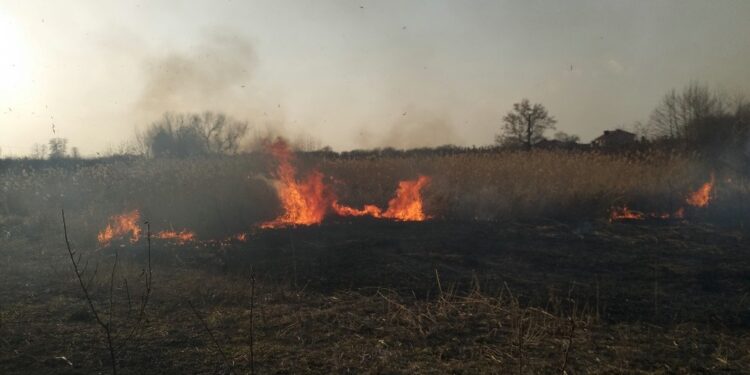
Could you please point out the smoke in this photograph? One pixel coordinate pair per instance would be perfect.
(420, 132)
(214, 75)
(411, 130)
(218, 74)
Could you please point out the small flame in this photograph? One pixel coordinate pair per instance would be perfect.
(119, 226)
(624, 213)
(181, 237)
(680, 213)
(699, 198)
(368, 210)
(406, 206)
(702, 196)
(304, 202)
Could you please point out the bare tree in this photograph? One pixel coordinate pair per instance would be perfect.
(181, 135)
(665, 119)
(58, 148)
(677, 110)
(39, 151)
(221, 133)
(306, 142)
(525, 124)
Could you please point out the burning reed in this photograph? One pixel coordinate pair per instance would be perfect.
(226, 196)
(308, 201)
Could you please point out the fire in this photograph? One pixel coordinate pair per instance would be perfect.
(307, 201)
(368, 210)
(699, 198)
(680, 213)
(405, 206)
(119, 226)
(182, 236)
(624, 213)
(304, 202)
(702, 196)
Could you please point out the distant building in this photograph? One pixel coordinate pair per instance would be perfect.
(615, 138)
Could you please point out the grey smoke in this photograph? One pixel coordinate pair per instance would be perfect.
(211, 76)
(413, 129)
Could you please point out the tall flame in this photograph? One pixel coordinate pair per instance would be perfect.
(307, 201)
(407, 205)
(304, 202)
(702, 196)
(119, 226)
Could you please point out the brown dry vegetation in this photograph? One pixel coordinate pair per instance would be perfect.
(519, 270)
(223, 195)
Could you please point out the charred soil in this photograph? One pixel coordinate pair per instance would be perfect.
(365, 295)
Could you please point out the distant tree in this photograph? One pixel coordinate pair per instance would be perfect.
(715, 125)
(58, 148)
(723, 136)
(677, 110)
(221, 134)
(74, 153)
(184, 135)
(306, 142)
(39, 151)
(525, 125)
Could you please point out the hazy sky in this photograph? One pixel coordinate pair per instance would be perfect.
(354, 73)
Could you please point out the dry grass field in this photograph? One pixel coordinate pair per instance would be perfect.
(228, 194)
(518, 270)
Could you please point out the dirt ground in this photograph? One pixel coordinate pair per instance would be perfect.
(368, 296)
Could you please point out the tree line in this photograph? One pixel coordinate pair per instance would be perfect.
(693, 118)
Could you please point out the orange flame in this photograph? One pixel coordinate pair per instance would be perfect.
(702, 196)
(368, 210)
(679, 214)
(406, 206)
(699, 198)
(624, 213)
(181, 237)
(304, 202)
(119, 226)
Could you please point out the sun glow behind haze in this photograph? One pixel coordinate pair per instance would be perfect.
(14, 62)
(353, 75)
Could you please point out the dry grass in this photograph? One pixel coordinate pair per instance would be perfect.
(349, 297)
(222, 196)
(524, 185)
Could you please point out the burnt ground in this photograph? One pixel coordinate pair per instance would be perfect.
(385, 297)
